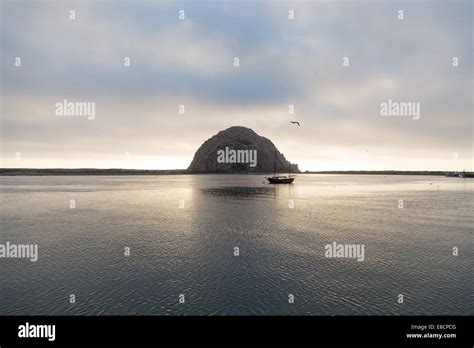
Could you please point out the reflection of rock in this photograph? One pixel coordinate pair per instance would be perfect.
(238, 138)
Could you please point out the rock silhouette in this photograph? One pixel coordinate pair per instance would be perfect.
(238, 138)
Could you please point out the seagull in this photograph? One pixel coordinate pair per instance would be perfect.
(295, 122)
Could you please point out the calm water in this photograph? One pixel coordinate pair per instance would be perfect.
(190, 250)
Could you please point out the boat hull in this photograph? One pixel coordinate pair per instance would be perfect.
(280, 180)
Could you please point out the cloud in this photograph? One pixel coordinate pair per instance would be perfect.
(282, 62)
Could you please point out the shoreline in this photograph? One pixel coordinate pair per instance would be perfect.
(121, 172)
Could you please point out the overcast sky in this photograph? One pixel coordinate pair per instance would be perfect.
(282, 61)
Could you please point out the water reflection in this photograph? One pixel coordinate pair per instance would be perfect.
(239, 192)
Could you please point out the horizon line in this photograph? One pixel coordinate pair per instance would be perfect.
(186, 170)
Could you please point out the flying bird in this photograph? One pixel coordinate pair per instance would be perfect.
(295, 122)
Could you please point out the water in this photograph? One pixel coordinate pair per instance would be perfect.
(190, 250)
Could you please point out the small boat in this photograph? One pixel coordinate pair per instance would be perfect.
(280, 179)
(275, 179)
(451, 174)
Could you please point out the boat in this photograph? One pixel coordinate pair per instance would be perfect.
(451, 174)
(278, 179)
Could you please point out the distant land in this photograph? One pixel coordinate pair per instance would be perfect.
(118, 171)
(87, 171)
(397, 172)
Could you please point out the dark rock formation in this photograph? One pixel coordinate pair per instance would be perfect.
(238, 138)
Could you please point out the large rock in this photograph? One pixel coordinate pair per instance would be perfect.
(239, 138)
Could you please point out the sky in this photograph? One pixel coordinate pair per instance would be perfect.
(282, 61)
